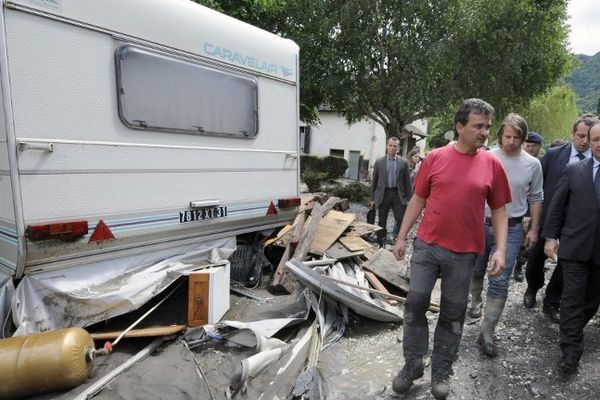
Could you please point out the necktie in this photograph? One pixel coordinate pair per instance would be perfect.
(580, 156)
(597, 184)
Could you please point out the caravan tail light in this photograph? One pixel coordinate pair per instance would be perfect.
(289, 202)
(61, 230)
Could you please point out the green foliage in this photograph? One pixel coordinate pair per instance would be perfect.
(513, 49)
(355, 192)
(313, 179)
(552, 114)
(585, 80)
(333, 167)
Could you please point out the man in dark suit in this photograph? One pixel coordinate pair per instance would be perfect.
(391, 186)
(574, 219)
(553, 163)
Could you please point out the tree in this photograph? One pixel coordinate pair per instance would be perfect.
(552, 114)
(399, 61)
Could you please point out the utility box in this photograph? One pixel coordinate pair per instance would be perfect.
(208, 295)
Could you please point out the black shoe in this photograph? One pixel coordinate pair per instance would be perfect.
(529, 298)
(567, 367)
(552, 312)
(518, 275)
(412, 370)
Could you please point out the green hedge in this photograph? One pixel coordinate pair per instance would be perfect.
(355, 192)
(333, 167)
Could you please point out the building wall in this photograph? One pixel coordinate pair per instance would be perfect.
(366, 136)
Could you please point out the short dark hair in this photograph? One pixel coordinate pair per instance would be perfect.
(516, 122)
(588, 118)
(596, 122)
(477, 106)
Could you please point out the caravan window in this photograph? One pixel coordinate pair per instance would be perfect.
(165, 93)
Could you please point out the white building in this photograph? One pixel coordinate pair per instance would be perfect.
(360, 143)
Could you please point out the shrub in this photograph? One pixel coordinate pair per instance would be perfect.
(333, 167)
(313, 179)
(355, 192)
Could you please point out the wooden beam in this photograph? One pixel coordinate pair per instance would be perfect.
(373, 280)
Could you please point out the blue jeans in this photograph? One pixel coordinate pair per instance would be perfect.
(427, 262)
(498, 285)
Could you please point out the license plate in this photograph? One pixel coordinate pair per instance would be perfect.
(202, 214)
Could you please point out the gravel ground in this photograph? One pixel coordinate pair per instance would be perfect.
(525, 368)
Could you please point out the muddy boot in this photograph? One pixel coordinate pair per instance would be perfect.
(413, 369)
(493, 310)
(440, 386)
(475, 301)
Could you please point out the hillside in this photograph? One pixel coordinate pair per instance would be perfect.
(585, 80)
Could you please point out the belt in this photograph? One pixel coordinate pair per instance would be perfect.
(511, 221)
(392, 188)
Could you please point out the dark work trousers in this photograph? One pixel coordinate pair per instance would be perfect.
(534, 273)
(580, 300)
(391, 199)
(427, 262)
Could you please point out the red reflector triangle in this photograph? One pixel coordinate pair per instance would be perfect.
(102, 232)
(272, 210)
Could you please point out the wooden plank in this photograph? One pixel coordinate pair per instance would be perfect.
(373, 280)
(279, 284)
(354, 243)
(144, 332)
(362, 228)
(329, 230)
(384, 264)
(282, 237)
(340, 252)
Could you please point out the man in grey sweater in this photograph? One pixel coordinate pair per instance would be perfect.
(525, 177)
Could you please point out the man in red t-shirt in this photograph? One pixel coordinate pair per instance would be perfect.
(455, 182)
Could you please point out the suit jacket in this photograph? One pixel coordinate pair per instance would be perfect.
(402, 180)
(553, 164)
(574, 215)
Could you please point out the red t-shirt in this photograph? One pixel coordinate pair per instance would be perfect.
(456, 187)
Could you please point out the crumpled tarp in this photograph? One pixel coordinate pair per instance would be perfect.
(7, 290)
(84, 295)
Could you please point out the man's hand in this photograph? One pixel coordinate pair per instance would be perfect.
(399, 248)
(372, 204)
(526, 224)
(496, 264)
(551, 249)
(531, 239)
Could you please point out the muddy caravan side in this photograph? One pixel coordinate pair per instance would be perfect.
(139, 127)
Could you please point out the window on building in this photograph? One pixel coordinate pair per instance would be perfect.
(336, 152)
(161, 92)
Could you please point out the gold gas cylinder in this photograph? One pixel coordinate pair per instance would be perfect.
(45, 362)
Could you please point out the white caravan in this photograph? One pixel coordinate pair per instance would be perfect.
(160, 123)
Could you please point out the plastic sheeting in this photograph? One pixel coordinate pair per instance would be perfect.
(91, 293)
(7, 290)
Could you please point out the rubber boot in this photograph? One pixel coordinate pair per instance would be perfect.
(493, 310)
(475, 302)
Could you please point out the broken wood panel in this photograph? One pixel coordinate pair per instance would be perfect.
(329, 230)
(373, 280)
(340, 252)
(354, 243)
(384, 264)
(144, 332)
(198, 298)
